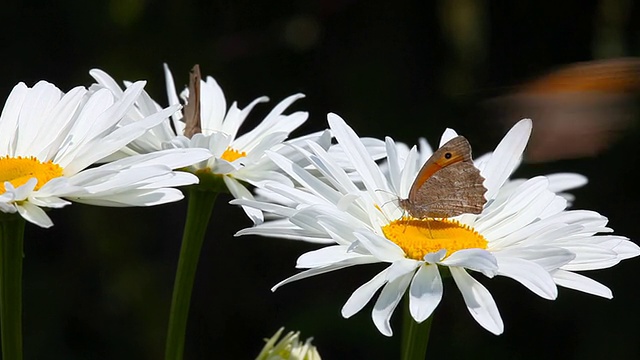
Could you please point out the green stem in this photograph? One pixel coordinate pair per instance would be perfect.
(415, 337)
(198, 215)
(11, 245)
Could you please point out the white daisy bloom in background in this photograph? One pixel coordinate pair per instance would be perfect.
(288, 348)
(236, 158)
(524, 231)
(48, 139)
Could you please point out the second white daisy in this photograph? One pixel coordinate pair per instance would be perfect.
(237, 158)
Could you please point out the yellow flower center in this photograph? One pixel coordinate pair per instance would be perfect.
(232, 154)
(18, 170)
(418, 237)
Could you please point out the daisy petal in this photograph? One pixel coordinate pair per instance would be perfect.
(425, 292)
(34, 214)
(473, 259)
(506, 157)
(387, 303)
(240, 192)
(9, 117)
(363, 295)
(357, 153)
(626, 249)
(581, 283)
(533, 276)
(566, 181)
(322, 270)
(326, 256)
(478, 300)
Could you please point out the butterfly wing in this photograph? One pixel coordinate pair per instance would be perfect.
(578, 110)
(448, 184)
(193, 122)
(453, 151)
(453, 190)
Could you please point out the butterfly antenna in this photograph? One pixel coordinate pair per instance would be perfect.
(390, 193)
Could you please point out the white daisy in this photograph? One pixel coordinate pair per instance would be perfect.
(523, 232)
(288, 348)
(48, 139)
(238, 159)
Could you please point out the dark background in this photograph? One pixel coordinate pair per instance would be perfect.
(98, 284)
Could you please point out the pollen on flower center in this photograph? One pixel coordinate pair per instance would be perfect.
(232, 154)
(18, 170)
(418, 237)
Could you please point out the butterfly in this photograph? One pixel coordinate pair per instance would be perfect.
(447, 185)
(577, 110)
(192, 119)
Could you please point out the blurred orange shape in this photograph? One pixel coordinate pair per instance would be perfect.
(577, 110)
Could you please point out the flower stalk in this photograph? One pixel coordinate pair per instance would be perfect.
(198, 214)
(415, 336)
(11, 247)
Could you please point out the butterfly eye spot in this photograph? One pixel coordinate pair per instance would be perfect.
(448, 155)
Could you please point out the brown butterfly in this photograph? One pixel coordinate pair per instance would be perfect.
(193, 122)
(447, 185)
